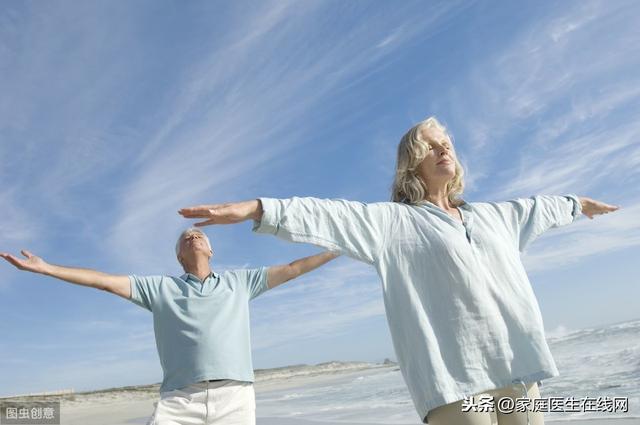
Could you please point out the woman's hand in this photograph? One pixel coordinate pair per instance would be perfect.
(224, 213)
(32, 263)
(591, 207)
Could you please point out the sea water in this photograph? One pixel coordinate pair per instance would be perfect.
(597, 362)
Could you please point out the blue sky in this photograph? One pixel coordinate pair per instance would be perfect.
(113, 115)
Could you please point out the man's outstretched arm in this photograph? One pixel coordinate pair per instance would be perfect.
(277, 275)
(118, 285)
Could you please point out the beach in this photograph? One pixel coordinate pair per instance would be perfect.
(333, 393)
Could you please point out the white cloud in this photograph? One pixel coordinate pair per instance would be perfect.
(578, 165)
(16, 224)
(616, 231)
(18, 230)
(240, 109)
(327, 304)
(559, 81)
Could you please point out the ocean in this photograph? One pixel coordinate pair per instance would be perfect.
(596, 362)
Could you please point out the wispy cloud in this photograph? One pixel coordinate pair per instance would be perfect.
(547, 87)
(241, 108)
(16, 224)
(59, 103)
(18, 227)
(582, 164)
(344, 295)
(616, 231)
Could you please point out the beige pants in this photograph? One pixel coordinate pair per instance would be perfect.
(207, 403)
(452, 413)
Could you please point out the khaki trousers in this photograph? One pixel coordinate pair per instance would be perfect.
(452, 414)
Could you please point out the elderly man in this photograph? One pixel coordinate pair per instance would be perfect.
(201, 323)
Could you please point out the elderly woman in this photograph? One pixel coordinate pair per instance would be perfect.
(463, 317)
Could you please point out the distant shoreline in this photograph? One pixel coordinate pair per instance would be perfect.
(261, 375)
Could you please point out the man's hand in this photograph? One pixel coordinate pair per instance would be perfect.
(591, 207)
(32, 263)
(277, 275)
(115, 284)
(224, 213)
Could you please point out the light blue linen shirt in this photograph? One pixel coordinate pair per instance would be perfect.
(201, 328)
(462, 314)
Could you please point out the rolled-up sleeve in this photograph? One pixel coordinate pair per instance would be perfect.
(528, 218)
(353, 228)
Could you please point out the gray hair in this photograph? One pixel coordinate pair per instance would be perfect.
(186, 232)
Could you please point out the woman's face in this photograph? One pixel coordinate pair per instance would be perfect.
(439, 166)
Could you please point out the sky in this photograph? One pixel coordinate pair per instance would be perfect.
(115, 114)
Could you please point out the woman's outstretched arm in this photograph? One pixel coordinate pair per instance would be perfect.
(591, 207)
(356, 229)
(229, 213)
(528, 218)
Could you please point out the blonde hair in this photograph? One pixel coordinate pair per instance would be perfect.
(408, 187)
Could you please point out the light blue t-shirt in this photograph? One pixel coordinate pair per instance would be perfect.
(201, 328)
(462, 314)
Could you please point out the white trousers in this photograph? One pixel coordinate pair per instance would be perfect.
(207, 403)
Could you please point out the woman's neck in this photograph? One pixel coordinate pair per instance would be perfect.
(439, 197)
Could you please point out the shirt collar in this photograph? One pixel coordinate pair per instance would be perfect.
(463, 204)
(189, 276)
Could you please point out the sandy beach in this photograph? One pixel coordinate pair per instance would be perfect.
(285, 396)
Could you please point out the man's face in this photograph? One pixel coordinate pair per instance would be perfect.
(194, 243)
